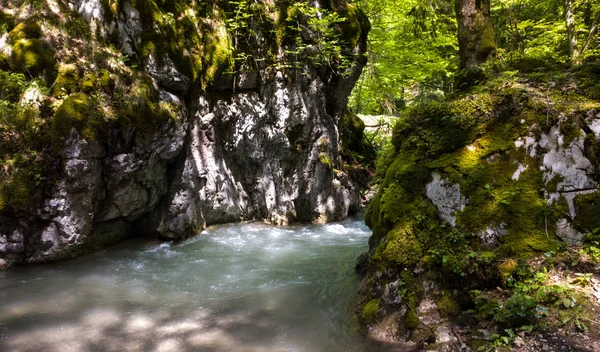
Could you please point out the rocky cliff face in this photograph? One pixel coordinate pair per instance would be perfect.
(473, 189)
(158, 118)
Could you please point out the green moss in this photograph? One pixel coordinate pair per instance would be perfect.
(217, 53)
(30, 56)
(88, 84)
(77, 111)
(447, 306)
(25, 30)
(352, 28)
(507, 268)
(325, 160)
(369, 312)
(402, 248)
(587, 208)
(384, 161)
(354, 147)
(67, 81)
(466, 78)
(105, 80)
(435, 128)
(411, 321)
(7, 22)
(21, 191)
(199, 49)
(16, 192)
(141, 106)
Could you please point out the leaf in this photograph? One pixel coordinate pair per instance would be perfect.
(527, 328)
(567, 302)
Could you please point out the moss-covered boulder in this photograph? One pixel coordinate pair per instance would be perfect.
(29, 54)
(474, 187)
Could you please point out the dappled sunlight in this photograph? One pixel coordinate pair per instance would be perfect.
(250, 287)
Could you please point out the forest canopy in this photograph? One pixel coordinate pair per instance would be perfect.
(414, 49)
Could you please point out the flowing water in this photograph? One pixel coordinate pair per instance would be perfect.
(243, 287)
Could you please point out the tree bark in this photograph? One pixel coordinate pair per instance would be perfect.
(476, 41)
(571, 32)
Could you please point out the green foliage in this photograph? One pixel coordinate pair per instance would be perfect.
(591, 245)
(328, 45)
(200, 49)
(530, 300)
(412, 55)
(413, 48)
(535, 31)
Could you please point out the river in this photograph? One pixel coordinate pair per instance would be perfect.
(237, 287)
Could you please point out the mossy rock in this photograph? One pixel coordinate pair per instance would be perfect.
(77, 111)
(402, 248)
(369, 312)
(67, 81)
(31, 56)
(106, 81)
(88, 84)
(411, 321)
(352, 29)
(354, 145)
(587, 208)
(7, 21)
(448, 307)
(434, 128)
(142, 108)
(17, 191)
(217, 54)
(25, 30)
(200, 50)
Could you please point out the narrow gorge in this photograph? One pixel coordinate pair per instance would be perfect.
(282, 175)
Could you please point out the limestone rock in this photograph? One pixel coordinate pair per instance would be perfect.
(446, 197)
(568, 233)
(259, 143)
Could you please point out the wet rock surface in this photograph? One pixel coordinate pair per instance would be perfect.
(261, 145)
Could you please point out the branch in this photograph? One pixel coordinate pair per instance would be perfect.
(590, 36)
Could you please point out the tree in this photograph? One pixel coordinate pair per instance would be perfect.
(571, 32)
(476, 40)
(412, 54)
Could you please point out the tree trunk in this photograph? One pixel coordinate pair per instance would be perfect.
(476, 40)
(571, 32)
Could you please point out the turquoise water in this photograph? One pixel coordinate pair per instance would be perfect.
(243, 287)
